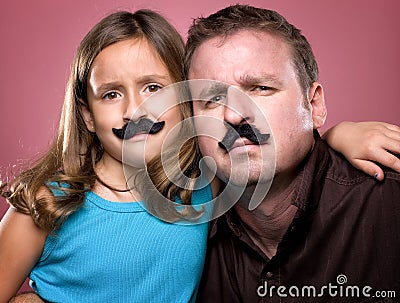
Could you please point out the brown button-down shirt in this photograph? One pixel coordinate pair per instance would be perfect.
(342, 246)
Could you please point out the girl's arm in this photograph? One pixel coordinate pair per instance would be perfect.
(21, 245)
(364, 143)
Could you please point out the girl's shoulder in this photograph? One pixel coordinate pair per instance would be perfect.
(202, 195)
(57, 188)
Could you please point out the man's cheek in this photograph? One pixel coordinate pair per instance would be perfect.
(207, 145)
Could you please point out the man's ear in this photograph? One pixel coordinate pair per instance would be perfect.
(88, 117)
(317, 101)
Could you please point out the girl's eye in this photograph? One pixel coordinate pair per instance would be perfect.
(111, 96)
(152, 88)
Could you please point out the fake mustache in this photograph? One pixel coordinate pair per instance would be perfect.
(144, 125)
(244, 130)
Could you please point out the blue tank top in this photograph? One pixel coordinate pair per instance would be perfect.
(117, 252)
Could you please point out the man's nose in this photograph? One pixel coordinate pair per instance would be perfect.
(236, 108)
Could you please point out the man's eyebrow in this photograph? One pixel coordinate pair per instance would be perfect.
(249, 80)
(212, 90)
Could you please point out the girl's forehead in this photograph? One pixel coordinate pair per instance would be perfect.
(133, 47)
(135, 55)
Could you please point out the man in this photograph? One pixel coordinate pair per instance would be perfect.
(325, 232)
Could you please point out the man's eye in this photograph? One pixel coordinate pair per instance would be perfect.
(153, 88)
(261, 88)
(217, 99)
(111, 96)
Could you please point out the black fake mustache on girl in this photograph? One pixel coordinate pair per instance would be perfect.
(244, 130)
(144, 125)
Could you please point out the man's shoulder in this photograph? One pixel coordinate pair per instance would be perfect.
(343, 172)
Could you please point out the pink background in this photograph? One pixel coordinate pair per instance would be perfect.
(357, 45)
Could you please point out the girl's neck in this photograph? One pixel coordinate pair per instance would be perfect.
(111, 182)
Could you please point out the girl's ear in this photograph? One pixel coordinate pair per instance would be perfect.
(88, 117)
(318, 106)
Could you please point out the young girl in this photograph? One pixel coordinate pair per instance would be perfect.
(74, 225)
(68, 226)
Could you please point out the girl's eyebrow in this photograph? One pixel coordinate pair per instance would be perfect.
(152, 77)
(108, 85)
(142, 79)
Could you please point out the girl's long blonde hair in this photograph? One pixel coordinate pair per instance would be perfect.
(75, 151)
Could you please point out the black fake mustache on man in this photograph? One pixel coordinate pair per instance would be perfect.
(243, 130)
(132, 128)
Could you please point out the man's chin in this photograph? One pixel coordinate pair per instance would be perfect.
(248, 178)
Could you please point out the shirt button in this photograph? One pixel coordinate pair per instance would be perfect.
(269, 275)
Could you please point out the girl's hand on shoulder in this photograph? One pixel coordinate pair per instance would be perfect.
(367, 144)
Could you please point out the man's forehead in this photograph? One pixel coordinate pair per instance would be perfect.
(238, 35)
(256, 45)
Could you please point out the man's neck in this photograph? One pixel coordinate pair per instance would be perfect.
(268, 223)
